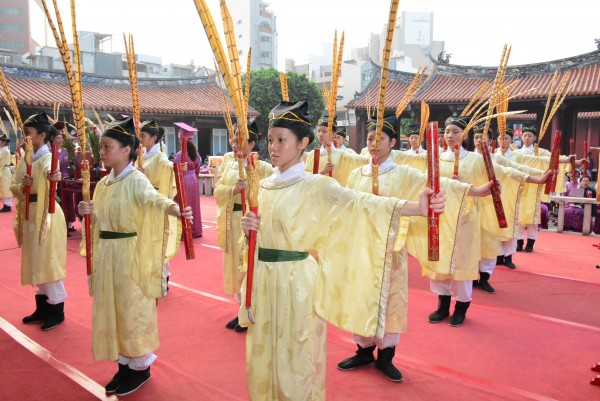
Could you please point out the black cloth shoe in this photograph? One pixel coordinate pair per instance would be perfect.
(509, 263)
(529, 247)
(232, 323)
(500, 260)
(118, 379)
(41, 310)
(135, 380)
(520, 245)
(443, 310)
(460, 313)
(363, 357)
(240, 329)
(484, 283)
(385, 364)
(71, 229)
(56, 315)
(5, 209)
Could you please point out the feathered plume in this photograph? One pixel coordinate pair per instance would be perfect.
(284, 87)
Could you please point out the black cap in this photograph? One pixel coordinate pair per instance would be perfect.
(414, 129)
(324, 122)
(529, 128)
(389, 125)
(293, 116)
(253, 131)
(460, 121)
(4, 138)
(38, 120)
(150, 127)
(123, 130)
(341, 131)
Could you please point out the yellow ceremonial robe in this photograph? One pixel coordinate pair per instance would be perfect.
(5, 174)
(43, 238)
(529, 208)
(418, 161)
(407, 183)
(285, 348)
(229, 227)
(563, 169)
(344, 162)
(127, 273)
(159, 170)
(480, 233)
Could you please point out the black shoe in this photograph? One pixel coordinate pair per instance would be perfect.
(500, 260)
(385, 364)
(363, 357)
(71, 229)
(5, 209)
(41, 310)
(520, 245)
(509, 263)
(135, 380)
(118, 379)
(232, 323)
(443, 310)
(240, 329)
(529, 247)
(484, 283)
(460, 313)
(56, 315)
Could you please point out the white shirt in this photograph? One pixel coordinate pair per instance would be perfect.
(449, 154)
(367, 169)
(295, 171)
(40, 152)
(126, 170)
(412, 152)
(506, 154)
(155, 149)
(333, 149)
(528, 149)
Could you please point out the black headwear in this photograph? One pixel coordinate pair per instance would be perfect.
(4, 138)
(293, 116)
(341, 131)
(324, 122)
(414, 129)
(460, 121)
(123, 130)
(389, 125)
(39, 121)
(530, 128)
(253, 131)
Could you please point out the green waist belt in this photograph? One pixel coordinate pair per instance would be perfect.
(114, 235)
(237, 207)
(277, 255)
(32, 198)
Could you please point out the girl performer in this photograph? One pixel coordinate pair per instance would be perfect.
(192, 189)
(304, 215)
(5, 175)
(43, 238)
(130, 226)
(229, 228)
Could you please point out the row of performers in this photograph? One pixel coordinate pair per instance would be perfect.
(304, 274)
(134, 232)
(311, 270)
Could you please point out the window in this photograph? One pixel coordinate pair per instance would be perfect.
(11, 28)
(9, 44)
(170, 140)
(11, 11)
(266, 39)
(219, 141)
(265, 54)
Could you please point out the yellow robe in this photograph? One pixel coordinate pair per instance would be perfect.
(344, 163)
(286, 347)
(159, 170)
(418, 161)
(229, 228)
(127, 273)
(480, 232)
(44, 236)
(407, 183)
(5, 174)
(529, 211)
(563, 169)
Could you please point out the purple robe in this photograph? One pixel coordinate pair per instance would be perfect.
(192, 191)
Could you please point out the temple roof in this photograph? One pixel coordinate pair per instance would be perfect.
(189, 96)
(458, 84)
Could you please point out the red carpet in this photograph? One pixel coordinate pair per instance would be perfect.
(535, 339)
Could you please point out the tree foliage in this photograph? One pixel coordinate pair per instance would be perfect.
(265, 93)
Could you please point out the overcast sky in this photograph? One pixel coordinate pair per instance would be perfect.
(474, 30)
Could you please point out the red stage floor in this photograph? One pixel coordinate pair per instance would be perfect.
(535, 339)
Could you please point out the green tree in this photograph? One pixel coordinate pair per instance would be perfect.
(265, 93)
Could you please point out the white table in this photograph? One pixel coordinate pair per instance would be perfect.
(587, 211)
(206, 181)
